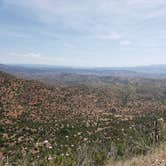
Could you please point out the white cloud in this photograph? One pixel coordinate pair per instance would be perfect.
(68, 45)
(30, 58)
(13, 34)
(126, 42)
(32, 55)
(156, 13)
(79, 14)
(111, 36)
(77, 7)
(73, 22)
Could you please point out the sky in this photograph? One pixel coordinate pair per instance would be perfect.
(83, 33)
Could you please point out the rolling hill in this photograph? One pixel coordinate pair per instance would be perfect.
(80, 123)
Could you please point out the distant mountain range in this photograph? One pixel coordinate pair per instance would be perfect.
(152, 71)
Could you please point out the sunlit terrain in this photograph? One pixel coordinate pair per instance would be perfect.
(86, 123)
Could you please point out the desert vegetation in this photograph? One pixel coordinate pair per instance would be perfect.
(80, 124)
(156, 157)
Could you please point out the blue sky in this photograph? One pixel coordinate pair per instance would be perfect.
(101, 33)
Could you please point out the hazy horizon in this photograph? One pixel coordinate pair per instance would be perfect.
(83, 67)
(90, 33)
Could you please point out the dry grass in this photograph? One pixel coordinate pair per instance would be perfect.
(155, 158)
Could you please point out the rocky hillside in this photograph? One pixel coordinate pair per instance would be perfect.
(40, 123)
(39, 102)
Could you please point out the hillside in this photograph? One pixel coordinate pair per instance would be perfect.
(156, 157)
(38, 101)
(78, 124)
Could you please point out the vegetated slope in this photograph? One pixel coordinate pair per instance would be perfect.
(156, 157)
(37, 101)
(62, 122)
